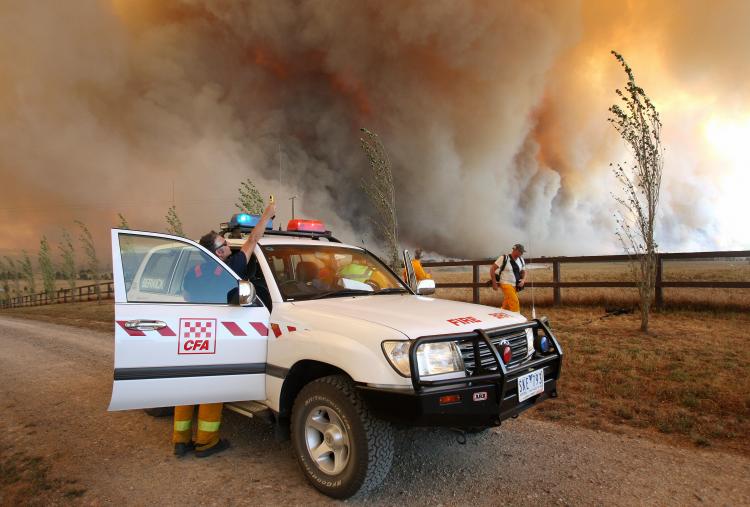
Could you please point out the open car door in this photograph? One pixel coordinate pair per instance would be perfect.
(181, 337)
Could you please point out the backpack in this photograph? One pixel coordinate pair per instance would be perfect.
(516, 270)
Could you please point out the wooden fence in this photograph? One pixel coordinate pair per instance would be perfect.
(88, 292)
(556, 284)
(83, 293)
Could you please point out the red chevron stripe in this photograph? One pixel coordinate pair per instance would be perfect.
(233, 328)
(131, 332)
(261, 328)
(166, 331)
(291, 328)
(276, 330)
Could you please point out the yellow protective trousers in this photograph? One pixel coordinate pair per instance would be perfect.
(209, 420)
(510, 298)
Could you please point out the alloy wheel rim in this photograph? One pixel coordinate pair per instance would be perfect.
(327, 440)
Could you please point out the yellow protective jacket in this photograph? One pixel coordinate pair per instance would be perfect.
(418, 271)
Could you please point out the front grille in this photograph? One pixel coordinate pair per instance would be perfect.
(518, 346)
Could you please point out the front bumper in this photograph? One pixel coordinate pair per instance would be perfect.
(485, 398)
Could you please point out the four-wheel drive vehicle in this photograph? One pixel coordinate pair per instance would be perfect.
(326, 339)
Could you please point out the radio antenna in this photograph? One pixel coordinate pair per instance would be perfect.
(533, 307)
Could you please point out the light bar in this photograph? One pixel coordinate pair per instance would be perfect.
(246, 220)
(300, 225)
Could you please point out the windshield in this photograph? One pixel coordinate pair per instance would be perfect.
(313, 272)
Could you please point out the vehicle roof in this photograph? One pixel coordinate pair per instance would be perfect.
(289, 240)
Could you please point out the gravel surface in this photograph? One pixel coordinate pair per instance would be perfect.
(59, 445)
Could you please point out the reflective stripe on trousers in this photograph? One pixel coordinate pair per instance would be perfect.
(209, 421)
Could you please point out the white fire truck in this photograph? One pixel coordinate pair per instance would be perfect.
(324, 339)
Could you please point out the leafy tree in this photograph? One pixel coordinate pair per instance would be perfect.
(174, 224)
(6, 283)
(90, 251)
(379, 188)
(68, 265)
(14, 276)
(638, 123)
(46, 267)
(123, 222)
(27, 272)
(250, 200)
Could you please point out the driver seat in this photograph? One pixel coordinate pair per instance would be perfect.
(307, 272)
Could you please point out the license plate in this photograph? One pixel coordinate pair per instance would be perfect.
(530, 384)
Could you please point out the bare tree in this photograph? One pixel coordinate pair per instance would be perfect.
(123, 222)
(639, 125)
(46, 267)
(174, 224)
(380, 189)
(68, 265)
(90, 251)
(27, 271)
(250, 200)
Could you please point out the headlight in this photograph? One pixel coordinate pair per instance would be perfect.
(398, 355)
(439, 358)
(432, 358)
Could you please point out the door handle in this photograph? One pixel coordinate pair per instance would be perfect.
(145, 325)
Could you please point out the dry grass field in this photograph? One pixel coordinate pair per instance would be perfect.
(716, 270)
(687, 381)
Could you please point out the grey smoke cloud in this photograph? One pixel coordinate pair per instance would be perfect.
(494, 115)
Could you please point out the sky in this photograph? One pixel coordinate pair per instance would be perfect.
(494, 116)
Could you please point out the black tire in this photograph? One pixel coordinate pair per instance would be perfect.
(159, 411)
(368, 444)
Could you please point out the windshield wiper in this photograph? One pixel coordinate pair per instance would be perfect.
(342, 292)
(391, 290)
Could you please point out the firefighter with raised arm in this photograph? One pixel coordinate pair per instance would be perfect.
(509, 272)
(207, 441)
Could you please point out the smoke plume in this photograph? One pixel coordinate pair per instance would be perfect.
(493, 113)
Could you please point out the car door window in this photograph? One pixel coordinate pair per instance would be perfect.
(168, 271)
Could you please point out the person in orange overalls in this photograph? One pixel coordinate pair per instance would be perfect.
(511, 278)
(419, 271)
(207, 441)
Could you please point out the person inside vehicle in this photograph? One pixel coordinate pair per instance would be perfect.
(207, 441)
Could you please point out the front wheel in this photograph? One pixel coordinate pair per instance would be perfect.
(339, 445)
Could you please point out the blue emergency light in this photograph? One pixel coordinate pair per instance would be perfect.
(246, 220)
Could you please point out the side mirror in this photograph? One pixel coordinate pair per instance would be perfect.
(426, 287)
(246, 293)
(411, 278)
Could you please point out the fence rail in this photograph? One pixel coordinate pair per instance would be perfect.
(82, 293)
(556, 284)
(89, 292)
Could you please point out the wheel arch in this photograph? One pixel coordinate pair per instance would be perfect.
(302, 373)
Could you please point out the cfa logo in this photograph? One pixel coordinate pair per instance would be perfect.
(197, 336)
(464, 320)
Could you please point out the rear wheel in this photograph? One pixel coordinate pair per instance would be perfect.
(339, 445)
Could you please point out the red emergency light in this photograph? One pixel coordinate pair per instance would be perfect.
(298, 224)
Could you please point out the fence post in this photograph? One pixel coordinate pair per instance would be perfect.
(556, 280)
(659, 290)
(475, 281)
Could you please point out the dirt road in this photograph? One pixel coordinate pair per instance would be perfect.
(59, 445)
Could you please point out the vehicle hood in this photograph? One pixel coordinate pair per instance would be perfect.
(411, 315)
